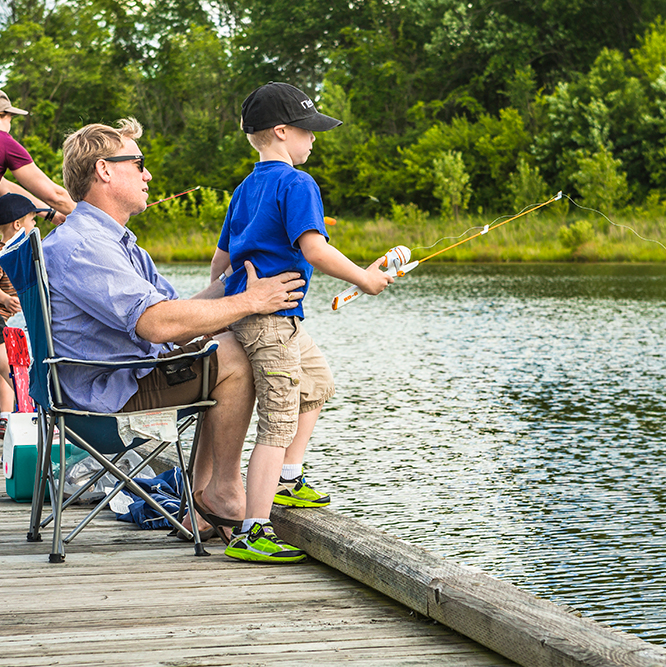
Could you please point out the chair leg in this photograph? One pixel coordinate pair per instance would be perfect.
(129, 482)
(44, 445)
(114, 492)
(189, 471)
(58, 549)
(187, 487)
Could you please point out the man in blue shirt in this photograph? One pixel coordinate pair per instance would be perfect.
(109, 302)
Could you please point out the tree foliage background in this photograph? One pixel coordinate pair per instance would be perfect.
(529, 97)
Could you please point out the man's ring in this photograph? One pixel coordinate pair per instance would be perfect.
(289, 296)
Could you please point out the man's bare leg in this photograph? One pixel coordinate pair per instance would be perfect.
(217, 468)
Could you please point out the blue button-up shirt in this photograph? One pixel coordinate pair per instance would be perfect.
(101, 283)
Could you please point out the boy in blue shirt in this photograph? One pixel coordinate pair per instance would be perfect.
(276, 221)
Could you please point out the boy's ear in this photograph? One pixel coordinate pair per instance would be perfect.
(280, 132)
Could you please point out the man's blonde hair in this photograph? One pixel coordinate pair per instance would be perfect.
(84, 147)
(261, 140)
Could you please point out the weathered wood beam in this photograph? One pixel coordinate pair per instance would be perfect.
(528, 630)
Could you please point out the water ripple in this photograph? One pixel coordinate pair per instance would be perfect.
(510, 418)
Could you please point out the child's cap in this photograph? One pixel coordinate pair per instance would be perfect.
(280, 103)
(14, 207)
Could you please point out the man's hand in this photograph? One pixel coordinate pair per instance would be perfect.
(272, 294)
(59, 218)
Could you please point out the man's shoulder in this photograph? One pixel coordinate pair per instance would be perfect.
(64, 235)
(80, 235)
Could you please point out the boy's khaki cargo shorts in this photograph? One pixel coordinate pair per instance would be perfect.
(291, 374)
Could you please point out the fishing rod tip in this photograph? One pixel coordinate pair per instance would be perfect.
(558, 196)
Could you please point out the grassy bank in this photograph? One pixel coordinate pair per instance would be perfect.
(187, 229)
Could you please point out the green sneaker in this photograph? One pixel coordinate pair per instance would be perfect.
(298, 493)
(262, 544)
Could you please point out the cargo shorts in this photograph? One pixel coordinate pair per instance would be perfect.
(291, 374)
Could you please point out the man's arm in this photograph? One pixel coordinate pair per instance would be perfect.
(8, 186)
(33, 179)
(206, 312)
(332, 262)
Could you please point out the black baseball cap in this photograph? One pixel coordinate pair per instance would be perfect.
(281, 103)
(14, 207)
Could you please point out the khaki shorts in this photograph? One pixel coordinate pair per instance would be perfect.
(290, 374)
(155, 392)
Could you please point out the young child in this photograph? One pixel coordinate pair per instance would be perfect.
(16, 213)
(276, 221)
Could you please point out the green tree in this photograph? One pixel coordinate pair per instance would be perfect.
(600, 182)
(451, 182)
(526, 185)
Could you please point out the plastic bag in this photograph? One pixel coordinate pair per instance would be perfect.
(83, 469)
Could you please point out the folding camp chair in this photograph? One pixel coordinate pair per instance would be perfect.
(99, 434)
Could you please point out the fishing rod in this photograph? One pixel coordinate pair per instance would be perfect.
(180, 194)
(396, 260)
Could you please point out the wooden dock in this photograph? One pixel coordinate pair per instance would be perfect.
(139, 598)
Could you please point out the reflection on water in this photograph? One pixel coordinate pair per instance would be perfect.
(507, 417)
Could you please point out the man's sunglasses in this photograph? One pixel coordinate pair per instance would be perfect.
(126, 158)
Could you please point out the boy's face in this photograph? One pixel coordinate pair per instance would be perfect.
(298, 143)
(9, 230)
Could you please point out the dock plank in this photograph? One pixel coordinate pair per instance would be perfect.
(126, 596)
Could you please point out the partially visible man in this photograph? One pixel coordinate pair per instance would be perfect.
(36, 185)
(109, 302)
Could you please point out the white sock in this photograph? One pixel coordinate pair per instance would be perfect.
(4, 415)
(248, 523)
(291, 470)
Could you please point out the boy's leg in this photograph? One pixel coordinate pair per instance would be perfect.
(273, 354)
(263, 475)
(316, 387)
(256, 540)
(306, 423)
(293, 489)
(4, 366)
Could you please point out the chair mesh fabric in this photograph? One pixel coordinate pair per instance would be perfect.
(16, 261)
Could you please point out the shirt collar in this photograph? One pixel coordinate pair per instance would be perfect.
(81, 217)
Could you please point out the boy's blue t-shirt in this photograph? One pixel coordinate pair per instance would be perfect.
(269, 210)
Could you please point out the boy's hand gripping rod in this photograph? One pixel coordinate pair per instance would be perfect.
(397, 259)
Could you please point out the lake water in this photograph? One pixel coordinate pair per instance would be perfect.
(509, 418)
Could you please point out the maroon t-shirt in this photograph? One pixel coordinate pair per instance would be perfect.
(12, 154)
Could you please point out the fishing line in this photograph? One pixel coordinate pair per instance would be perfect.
(531, 207)
(397, 263)
(487, 228)
(615, 224)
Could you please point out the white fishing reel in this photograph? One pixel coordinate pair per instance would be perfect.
(395, 258)
(395, 261)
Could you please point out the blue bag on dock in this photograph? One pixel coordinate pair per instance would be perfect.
(166, 489)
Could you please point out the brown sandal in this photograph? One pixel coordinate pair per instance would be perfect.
(217, 522)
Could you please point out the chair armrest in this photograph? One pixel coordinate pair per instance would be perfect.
(205, 351)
